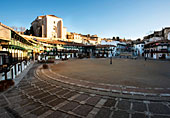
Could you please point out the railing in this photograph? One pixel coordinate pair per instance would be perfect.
(7, 62)
(20, 44)
(18, 59)
(4, 68)
(158, 51)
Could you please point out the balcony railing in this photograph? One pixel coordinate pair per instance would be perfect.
(158, 51)
(8, 62)
(20, 44)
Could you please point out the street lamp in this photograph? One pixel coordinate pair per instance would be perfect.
(111, 60)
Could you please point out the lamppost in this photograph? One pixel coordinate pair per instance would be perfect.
(111, 60)
(111, 57)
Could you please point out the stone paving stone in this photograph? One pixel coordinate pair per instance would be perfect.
(46, 114)
(82, 97)
(101, 103)
(83, 110)
(2, 110)
(62, 92)
(70, 106)
(43, 85)
(29, 90)
(70, 94)
(138, 115)
(34, 80)
(139, 106)
(23, 83)
(41, 95)
(160, 116)
(17, 99)
(27, 108)
(60, 105)
(34, 92)
(93, 100)
(168, 103)
(20, 110)
(5, 115)
(11, 112)
(48, 88)
(3, 103)
(55, 90)
(39, 83)
(125, 105)
(1, 97)
(23, 96)
(56, 102)
(24, 87)
(57, 114)
(13, 90)
(48, 98)
(40, 111)
(29, 116)
(103, 113)
(17, 104)
(71, 116)
(93, 112)
(120, 114)
(13, 94)
(110, 103)
(24, 102)
(159, 108)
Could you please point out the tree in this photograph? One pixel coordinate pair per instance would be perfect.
(22, 29)
(113, 38)
(117, 39)
(138, 39)
(15, 28)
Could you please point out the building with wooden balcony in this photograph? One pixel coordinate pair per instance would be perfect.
(15, 52)
(103, 51)
(157, 44)
(157, 49)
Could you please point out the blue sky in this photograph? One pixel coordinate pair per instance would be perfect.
(106, 18)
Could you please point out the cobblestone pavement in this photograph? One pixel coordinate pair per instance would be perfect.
(37, 95)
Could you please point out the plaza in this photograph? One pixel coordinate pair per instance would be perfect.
(127, 72)
(70, 90)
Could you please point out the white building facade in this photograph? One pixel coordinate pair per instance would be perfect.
(48, 26)
(139, 49)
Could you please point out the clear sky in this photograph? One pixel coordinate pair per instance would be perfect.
(106, 18)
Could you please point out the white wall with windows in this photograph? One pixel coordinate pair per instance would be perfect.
(139, 48)
(169, 36)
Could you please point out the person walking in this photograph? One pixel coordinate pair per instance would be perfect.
(145, 58)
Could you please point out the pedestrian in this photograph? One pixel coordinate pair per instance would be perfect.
(145, 58)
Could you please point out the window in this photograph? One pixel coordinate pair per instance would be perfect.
(0, 60)
(18, 67)
(169, 36)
